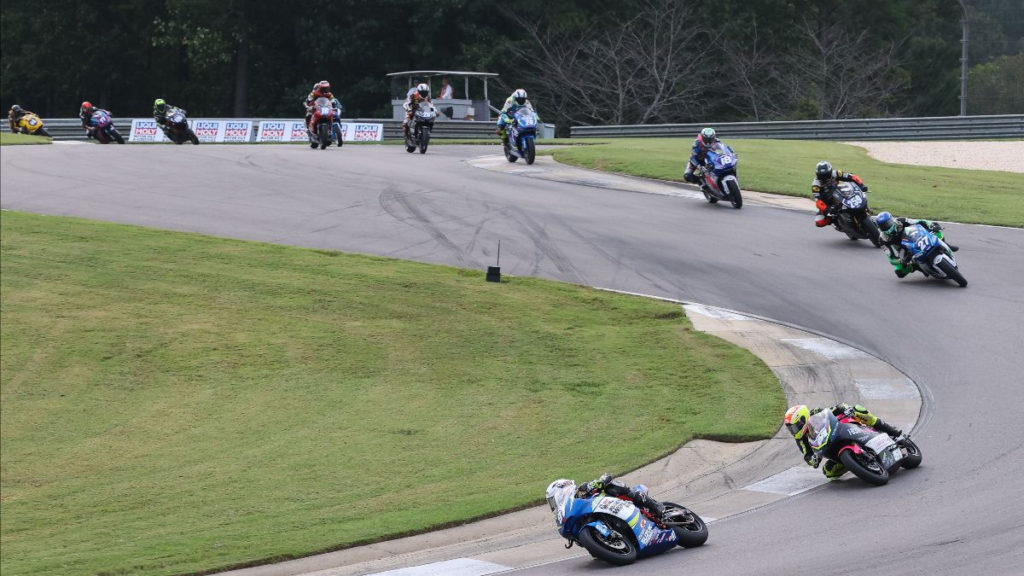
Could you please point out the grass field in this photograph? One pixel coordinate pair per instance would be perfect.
(787, 167)
(9, 139)
(172, 403)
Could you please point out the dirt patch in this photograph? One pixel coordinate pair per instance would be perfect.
(1005, 156)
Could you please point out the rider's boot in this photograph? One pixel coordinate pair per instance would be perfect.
(644, 500)
(886, 428)
(405, 131)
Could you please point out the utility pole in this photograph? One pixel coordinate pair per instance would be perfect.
(963, 62)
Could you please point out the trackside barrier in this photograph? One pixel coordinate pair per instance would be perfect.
(295, 130)
(935, 128)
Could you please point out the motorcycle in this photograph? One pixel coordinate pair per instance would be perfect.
(871, 455)
(29, 123)
(422, 125)
(324, 125)
(522, 133)
(851, 215)
(719, 176)
(103, 128)
(178, 129)
(930, 254)
(614, 530)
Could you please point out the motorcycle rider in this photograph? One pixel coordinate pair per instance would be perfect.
(412, 103)
(85, 113)
(823, 188)
(321, 89)
(160, 109)
(796, 421)
(705, 139)
(891, 231)
(638, 494)
(515, 101)
(14, 115)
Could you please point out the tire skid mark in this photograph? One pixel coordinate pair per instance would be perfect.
(399, 206)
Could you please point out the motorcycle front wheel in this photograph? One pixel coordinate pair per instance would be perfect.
(690, 528)
(865, 466)
(616, 548)
(734, 194)
(531, 150)
(424, 139)
(952, 273)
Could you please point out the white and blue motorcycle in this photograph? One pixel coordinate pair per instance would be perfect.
(522, 136)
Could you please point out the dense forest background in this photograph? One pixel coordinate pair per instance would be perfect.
(582, 61)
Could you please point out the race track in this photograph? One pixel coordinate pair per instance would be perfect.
(961, 512)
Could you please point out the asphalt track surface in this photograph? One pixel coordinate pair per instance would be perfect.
(962, 512)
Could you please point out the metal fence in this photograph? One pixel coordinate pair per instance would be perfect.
(71, 128)
(937, 128)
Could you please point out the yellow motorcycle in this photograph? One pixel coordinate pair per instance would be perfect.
(29, 123)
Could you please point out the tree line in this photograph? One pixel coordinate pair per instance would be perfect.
(582, 61)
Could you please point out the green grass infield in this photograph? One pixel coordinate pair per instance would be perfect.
(174, 403)
(787, 167)
(9, 139)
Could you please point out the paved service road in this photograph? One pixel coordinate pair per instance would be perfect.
(961, 512)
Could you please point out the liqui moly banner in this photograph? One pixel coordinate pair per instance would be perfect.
(145, 130)
(236, 131)
(295, 131)
(207, 130)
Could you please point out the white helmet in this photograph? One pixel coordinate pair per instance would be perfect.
(559, 492)
(423, 90)
(520, 96)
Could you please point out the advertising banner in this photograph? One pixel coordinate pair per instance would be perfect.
(207, 130)
(236, 131)
(145, 130)
(295, 131)
(271, 131)
(358, 132)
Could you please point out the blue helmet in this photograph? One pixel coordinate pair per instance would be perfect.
(887, 224)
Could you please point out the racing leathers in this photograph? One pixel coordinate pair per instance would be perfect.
(507, 116)
(698, 154)
(899, 256)
(317, 92)
(86, 116)
(859, 413)
(822, 191)
(638, 494)
(412, 104)
(161, 118)
(13, 116)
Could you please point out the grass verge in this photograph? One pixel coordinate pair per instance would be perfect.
(10, 139)
(173, 403)
(787, 167)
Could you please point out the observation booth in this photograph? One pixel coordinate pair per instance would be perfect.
(469, 99)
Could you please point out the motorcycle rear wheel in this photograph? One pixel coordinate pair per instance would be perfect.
(913, 457)
(952, 273)
(688, 526)
(865, 466)
(619, 551)
(710, 197)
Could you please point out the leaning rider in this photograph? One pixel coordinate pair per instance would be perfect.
(85, 113)
(796, 421)
(321, 89)
(514, 102)
(638, 494)
(705, 139)
(824, 186)
(891, 230)
(412, 103)
(14, 115)
(160, 110)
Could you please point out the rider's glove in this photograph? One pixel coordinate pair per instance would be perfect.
(935, 227)
(864, 188)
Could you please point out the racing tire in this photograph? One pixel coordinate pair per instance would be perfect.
(42, 132)
(952, 273)
(690, 528)
(734, 194)
(865, 466)
(424, 139)
(508, 153)
(192, 137)
(913, 457)
(867, 223)
(117, 136)
(618, 551)
(707, 195)
(531, 150)
(323, 132)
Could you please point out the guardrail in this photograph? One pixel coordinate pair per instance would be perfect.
(934, 128)
(71, 128)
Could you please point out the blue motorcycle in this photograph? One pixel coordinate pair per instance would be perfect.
(613, 529)
(930, 253)
(718, 179)
(522, 134)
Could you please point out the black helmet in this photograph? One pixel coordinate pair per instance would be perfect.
(16, 109)
(823, 171)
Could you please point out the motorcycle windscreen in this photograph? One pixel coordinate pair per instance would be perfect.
(851, 197)
(526, 118)
(722, 156)
(819, 429)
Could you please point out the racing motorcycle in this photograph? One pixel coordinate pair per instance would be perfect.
(871, 455)
(613, 529)
(522, 134)
(718, 176)
(178, 129)
(29, 123)
(422, 125)
(324, 125)
(930, 254)
(851, 215)
(103, 128)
